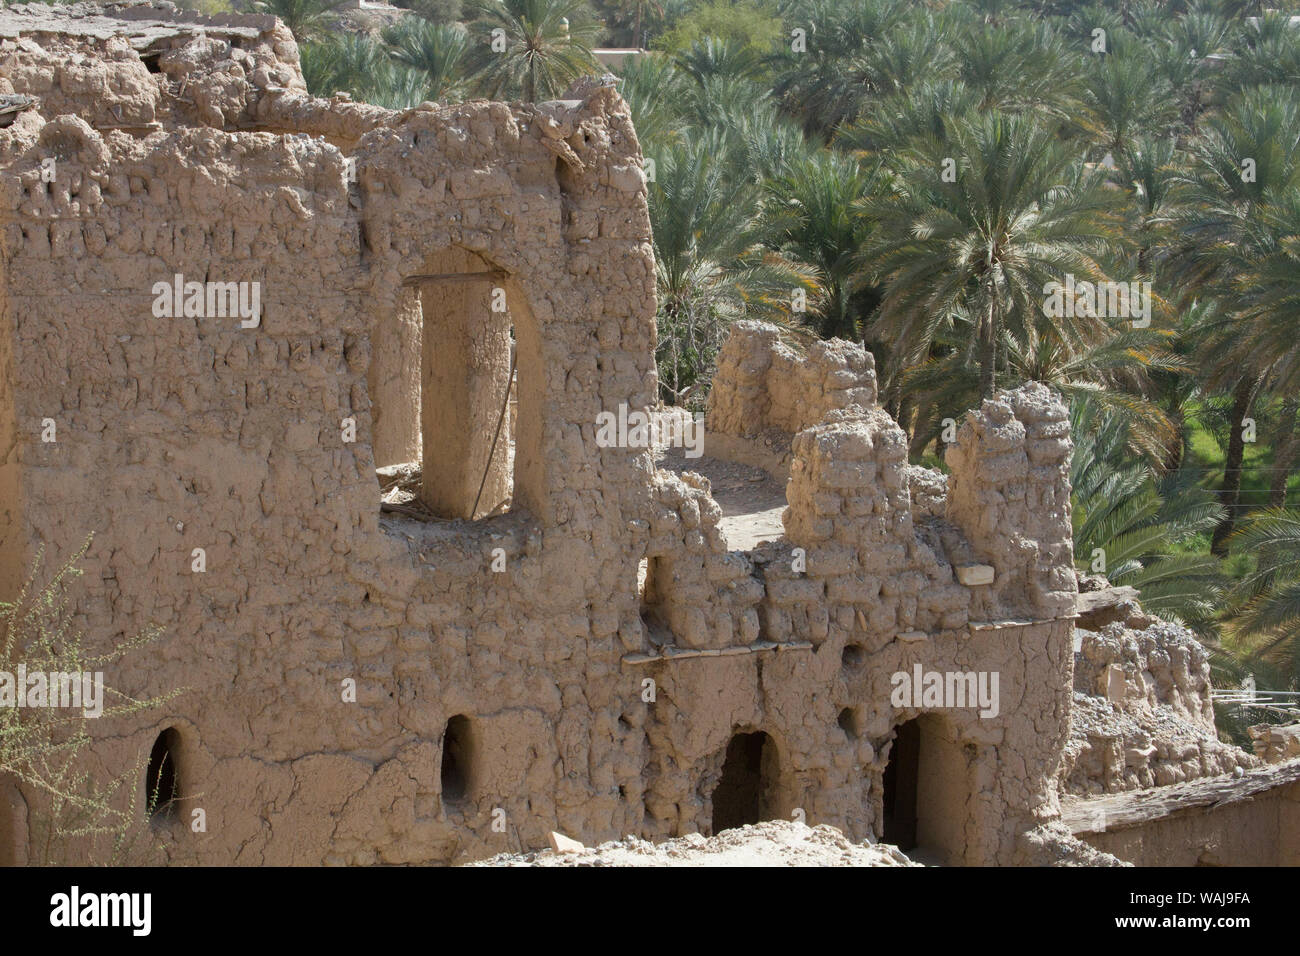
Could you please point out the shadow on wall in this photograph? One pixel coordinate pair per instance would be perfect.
(926, 789)
(747, 792)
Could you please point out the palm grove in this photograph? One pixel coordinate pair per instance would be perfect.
(919, 177)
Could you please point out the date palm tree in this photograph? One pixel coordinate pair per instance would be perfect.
(655, 90)
(1022, 67)
(1265, 52)
(973, 231)
(831, 82)
(434, 50)
(1234, 248)
(710, 266)
(1133, 525)
(812, 214)
(351, 63)
(306, 19)
(1113, 378)
(530, 49)
(1266, 615)
(1124, 98)
(361, 66)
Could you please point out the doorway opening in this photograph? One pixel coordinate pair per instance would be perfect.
(926, 791)
(747, 791)
(899, 802)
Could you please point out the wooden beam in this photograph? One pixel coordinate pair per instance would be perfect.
(492, 275)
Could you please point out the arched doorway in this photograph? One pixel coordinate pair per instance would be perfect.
(747, 791)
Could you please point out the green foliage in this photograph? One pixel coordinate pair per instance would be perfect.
(1137, 522)
(74, 815)
(744, 23)
(437, 11)
(1267, 600)
(710, 267)
(975, 253)
(547, 45)
(655, 90)
(360, 65)
(306, 19)
(434, 51)
(813, 216)
(630, 22)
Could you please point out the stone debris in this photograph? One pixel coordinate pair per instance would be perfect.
(562, 844)
(771, 843)
(1142, 714)
(1275, 743)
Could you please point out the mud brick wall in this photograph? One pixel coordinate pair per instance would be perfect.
(763, 383)
(1010, 491)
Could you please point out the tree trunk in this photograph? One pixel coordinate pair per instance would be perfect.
(1174, 458)
(1230, 495)
(987, 351)
(1284, 454)
(906, 414)
(893, 397)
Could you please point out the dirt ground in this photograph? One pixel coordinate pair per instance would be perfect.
(750, 498)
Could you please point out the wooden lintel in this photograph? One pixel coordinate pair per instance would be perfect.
(492, 275)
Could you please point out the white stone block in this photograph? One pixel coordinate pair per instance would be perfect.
(973, 575)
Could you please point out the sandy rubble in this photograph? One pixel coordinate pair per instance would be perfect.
(771, 843)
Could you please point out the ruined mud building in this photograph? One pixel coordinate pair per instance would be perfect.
(388, 477)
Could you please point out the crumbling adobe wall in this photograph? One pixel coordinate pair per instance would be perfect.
(761, 382)
(137, 67)
(871, 591)
(704, 594)
(193, 432)
(763, 392)
(1010, 492)
(188, 432)
(1275, 743)
(1142, 714)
